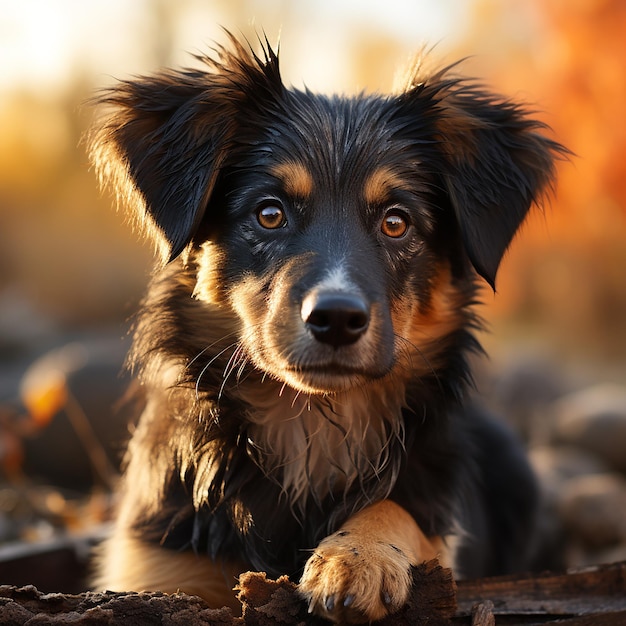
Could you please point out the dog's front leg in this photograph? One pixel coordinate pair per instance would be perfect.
(363, 571)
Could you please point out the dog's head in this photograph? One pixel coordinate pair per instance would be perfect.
(340, 233)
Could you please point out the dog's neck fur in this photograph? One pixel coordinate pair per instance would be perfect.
(312, 446)
(319, 445)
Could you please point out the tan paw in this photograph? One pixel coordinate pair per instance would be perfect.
(355, 579)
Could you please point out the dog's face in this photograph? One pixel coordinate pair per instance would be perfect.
(325, 247)
(340, 234)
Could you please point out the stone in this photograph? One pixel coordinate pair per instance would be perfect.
(594, 420)
(593, 510)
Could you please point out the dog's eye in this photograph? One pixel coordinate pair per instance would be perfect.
(271, 216)
(394, 224)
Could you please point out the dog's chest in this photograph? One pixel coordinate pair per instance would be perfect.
(314, 446)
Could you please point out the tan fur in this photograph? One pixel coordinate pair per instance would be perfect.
(363, 571)
(425, 324)
(322, 443)
(128, 564)
(380, 184)
(296, 179)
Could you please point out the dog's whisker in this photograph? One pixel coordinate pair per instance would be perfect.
(238, 356)
(235, 365)
(210, 346)
(208, 365)
(241, 370)
(295, 398)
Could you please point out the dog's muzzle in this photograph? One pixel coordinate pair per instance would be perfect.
(337, 319)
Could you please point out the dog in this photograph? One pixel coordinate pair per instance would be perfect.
(303, 346)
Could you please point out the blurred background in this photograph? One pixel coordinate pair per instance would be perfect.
(72, 273)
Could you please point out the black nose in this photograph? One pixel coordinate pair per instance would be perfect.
(335, 318)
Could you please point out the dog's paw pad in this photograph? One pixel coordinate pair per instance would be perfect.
(350, 579)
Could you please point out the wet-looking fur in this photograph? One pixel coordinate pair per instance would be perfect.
(302, 347)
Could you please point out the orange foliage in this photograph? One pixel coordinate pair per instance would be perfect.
(567, 269)
(585, 82)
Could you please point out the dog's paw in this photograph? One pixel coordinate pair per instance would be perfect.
(354, 579)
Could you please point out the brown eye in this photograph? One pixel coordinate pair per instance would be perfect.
(394, 224)
(271, 216)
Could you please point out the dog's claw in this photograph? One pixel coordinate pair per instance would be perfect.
(329, 603)
(386, 598)
(349, 599)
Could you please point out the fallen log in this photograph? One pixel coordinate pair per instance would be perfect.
(582, 597)
(587, 597)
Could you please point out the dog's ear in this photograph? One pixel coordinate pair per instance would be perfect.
(497, 163)
(166, 137)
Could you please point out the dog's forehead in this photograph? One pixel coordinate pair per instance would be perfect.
(378, 183)
(321, 140)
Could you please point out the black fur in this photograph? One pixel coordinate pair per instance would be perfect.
(195, 152)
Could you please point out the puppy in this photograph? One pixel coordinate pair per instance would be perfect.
(303, 345)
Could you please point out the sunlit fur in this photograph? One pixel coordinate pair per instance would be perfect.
(261, 434)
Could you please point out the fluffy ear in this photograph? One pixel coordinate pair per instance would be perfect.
(496, 161)
(166, 137)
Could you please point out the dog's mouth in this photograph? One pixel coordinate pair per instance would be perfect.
(311, 367)
(329, 378)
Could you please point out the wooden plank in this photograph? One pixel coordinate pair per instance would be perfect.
(603, 619)
(597, 619)
(598, 589)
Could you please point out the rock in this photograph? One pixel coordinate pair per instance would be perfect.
(557, 465)
(611, 555)
(593, 510)
(522, 391)
(595, 420)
